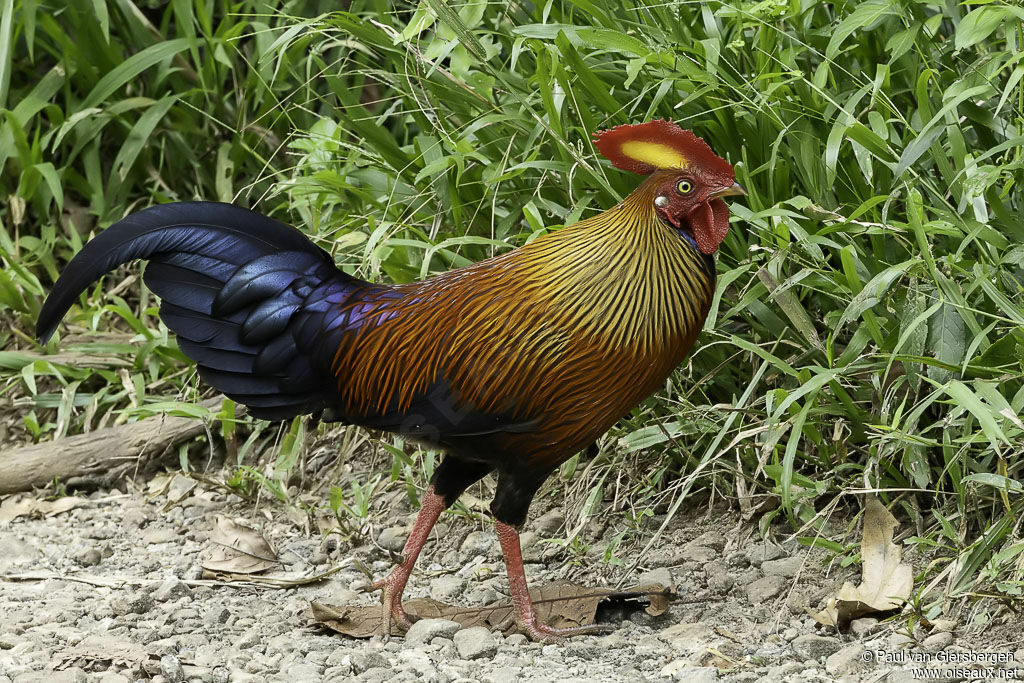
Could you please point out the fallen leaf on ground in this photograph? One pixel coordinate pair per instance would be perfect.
(109, 650)
(25, 506)
(237, 549)
(561, 604)
(886, 582)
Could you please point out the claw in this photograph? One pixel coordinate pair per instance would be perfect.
(391, 600)
(549, 634)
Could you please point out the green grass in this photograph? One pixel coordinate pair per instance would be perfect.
(869, 325)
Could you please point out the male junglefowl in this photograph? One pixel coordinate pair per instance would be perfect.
(510, 365)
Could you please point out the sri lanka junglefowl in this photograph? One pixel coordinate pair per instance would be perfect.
(510, 365)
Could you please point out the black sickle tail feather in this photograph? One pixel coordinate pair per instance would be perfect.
(252, 301)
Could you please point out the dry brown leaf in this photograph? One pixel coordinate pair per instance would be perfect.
(886, 582)
(561, 604)
(237, 549)
(107, 650)
(25, 506)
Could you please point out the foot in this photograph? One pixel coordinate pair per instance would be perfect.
(525, 615)
(549, 634)
(391, 588)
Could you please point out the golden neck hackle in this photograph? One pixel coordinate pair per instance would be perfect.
(623, 276)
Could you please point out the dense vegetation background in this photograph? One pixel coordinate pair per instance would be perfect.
(868, 330)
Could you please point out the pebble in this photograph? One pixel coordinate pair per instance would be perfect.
(684, 671)
(848, 660)
(393, 538)
(516, 640)
(863, 627)
(938, 641)
(425, 630)
(15, 552)
(550, 523)
(447, 588)
(814, 647)
(757, 553)
(171, 669)
(786, 567)
(171, 589)
(136, 602)
(478, 543)
(688, 638)
(158, 535)
(476, 643)
(661, 575)
(765, 588)
(506, 674)
(900, 641)
(88, 557)
(697, 553)
(711, 539)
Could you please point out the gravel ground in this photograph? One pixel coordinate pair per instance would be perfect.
(153, 618)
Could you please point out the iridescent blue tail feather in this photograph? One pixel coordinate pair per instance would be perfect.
(248, 297)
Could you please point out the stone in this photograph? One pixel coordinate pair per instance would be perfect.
(393, 538)
(783, 672)
(687, 640)
(425, 630)
(14, 552)
(711, 539)
(815, 647)
(112, 677)
(757, 553)
(698, 553)
(798, 602)
(171, 669)
(516, 640)
(550, 523)
(171, 589)
(447, 588)
(938, 641)
(365, 661)
(218, 615)
(900, 641)
(765, 588)
(863, 627)
(478, 543)
(660, 575)
(156, 535)
(88, 557)
(531, 549)
(848, 660)
(680, 670)
(303, 671)
(506, 674)
(133, 603)
(786, 567)
(476, 643)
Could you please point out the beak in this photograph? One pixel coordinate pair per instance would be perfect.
(733, 190)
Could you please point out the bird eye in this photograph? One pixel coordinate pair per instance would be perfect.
(684, 187)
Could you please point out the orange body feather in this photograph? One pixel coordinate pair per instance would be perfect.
(566, 333)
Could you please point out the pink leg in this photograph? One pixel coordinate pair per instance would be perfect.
(391, 597)
(525, 616)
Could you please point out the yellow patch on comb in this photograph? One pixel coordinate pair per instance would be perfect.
(655, 154)
(658, 144)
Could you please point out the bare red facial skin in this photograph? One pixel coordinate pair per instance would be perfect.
(706, 215)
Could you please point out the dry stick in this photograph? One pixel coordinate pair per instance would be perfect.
(99, 452)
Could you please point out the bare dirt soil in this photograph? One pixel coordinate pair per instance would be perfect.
(112, 590)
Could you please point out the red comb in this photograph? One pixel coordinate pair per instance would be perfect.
(679, 148)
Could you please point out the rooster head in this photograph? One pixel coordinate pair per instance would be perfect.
(689, 179)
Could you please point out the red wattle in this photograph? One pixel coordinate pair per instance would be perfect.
(710, 224)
